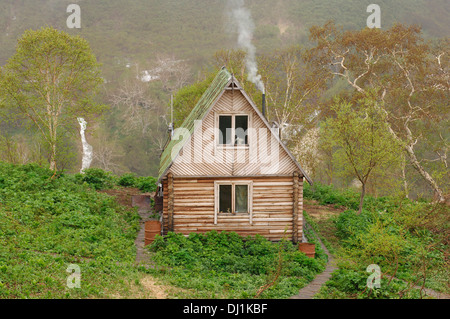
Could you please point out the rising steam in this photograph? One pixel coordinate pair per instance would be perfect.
(242, 21)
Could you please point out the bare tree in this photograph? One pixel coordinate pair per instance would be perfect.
(107, 156)
(136, 106)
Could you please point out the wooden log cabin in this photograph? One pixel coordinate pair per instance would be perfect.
(226, 169)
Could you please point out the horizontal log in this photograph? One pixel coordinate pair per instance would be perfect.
(184, 209)
(199, 202)
(272, 184)
(194, 197)
(243, 226)
(259, 203)
(193, 193)
(286, 219)
(246, 177)
(190, 189)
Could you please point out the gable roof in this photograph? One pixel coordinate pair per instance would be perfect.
(223, 80)
(198, 112)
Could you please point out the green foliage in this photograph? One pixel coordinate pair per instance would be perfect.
(227, 264)
(47, 224)
(350, 224)
(349, 283)
(51, 79)
(98, 178)
(406, 239)
(187, 97)
(147, 183)
(327, 194)
(361, 135)
(128, 180)
(144, 183)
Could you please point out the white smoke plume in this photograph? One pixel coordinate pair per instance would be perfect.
(241, 20)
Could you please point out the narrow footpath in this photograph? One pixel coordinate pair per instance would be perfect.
(313, 287)
(144, 210)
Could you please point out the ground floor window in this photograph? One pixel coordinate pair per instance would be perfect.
(232, 198)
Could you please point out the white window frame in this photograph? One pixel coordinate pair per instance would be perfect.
(233, 184)
(233, 115)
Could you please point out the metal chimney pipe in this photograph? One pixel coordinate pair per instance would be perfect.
(264, 104)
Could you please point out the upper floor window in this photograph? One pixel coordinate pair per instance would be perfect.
(233, 129)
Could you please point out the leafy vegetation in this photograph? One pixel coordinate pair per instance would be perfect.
(363, 141)
(51, 79)
(226, 265)
(407, 240)
(47, 224)
(99, 179)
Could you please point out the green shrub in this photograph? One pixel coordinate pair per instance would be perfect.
(146, 184)
(98, 178)
(349, 223)
(128, 180)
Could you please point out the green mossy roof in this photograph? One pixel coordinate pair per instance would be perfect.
(198, 113)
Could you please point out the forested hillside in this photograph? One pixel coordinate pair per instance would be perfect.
(150, 49)
(136, 31)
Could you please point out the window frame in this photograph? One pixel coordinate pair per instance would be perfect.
(249, 212)
(233, 130)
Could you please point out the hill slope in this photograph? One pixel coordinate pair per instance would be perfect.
(136, 31)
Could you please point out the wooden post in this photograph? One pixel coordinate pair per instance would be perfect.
(295, 208)
(170, 201)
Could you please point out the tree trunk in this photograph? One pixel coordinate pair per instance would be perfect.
(361, 199)
(409, 147)
(437, 191)
(53, 158)
(405, 182)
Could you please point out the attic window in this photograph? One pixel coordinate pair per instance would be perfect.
(225, 128)
(233, 125)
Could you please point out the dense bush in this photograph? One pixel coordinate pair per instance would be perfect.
(98, 178)
(226, 263)
(128, 180)
(146, 184)
(349, 223)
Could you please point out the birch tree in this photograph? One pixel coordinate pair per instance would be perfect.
(51, 80)
(411, 78)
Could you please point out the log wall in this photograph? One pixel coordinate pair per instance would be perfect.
(272, 207)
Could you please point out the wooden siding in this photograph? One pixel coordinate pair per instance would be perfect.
(232, 161)
(272, 208)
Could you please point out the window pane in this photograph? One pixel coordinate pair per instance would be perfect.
(225, 129)
(241, 200)
(225, 198)
(241, 126)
